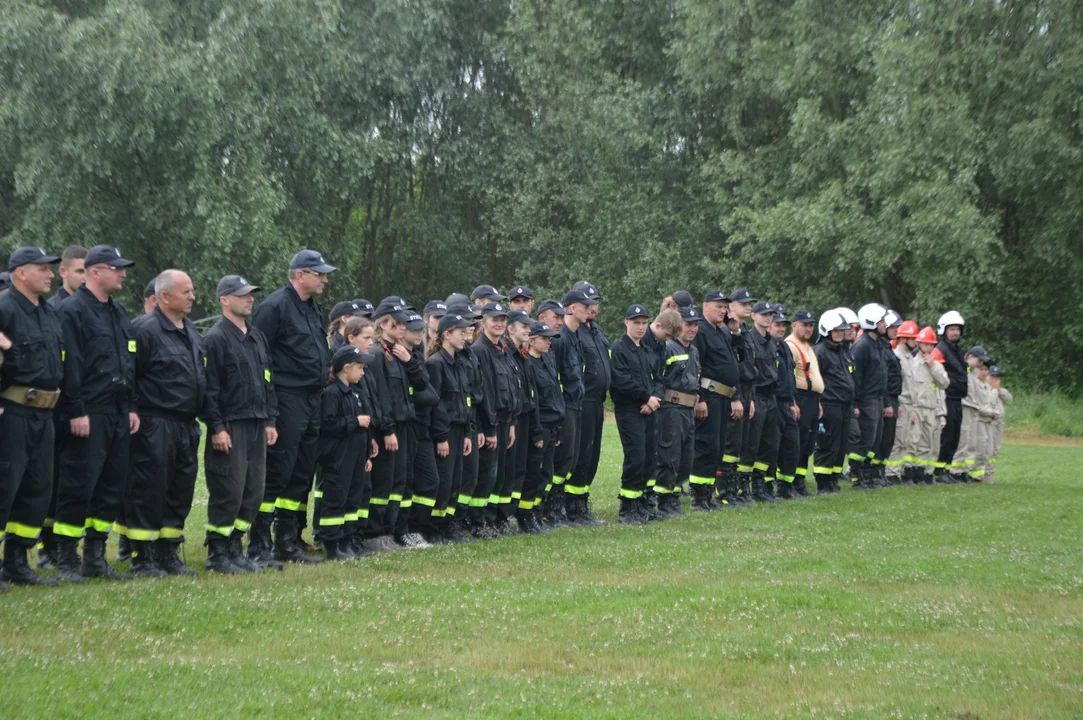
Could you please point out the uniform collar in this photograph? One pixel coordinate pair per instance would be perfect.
(24, 302)
(234, 330)
(342, 387)
(167, 324)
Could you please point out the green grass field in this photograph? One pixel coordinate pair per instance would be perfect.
(941, 602)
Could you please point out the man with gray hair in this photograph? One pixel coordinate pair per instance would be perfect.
(169, 388)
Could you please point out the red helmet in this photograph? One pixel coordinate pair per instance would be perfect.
(927, 335)
(909, 329)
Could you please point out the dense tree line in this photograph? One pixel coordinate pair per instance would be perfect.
(923, 154)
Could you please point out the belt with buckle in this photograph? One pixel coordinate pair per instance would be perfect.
(717, 387)
(31, 397)
(680, 398)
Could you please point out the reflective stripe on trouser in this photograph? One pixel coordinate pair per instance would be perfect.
(490, 464)
(567, 453)
(426, 486)
(449, 470)
(949, 435)
(888, 438)
(638, 440)
(676, 445)
(829, 454)
(767, 447)
(26, 471)
(870, 425)
(809, 404)
(710, 440)
(291, 461)
(591, 421)
(235, 480)
(789, 441)
(163, 465)
(93, 477)
(736, 433)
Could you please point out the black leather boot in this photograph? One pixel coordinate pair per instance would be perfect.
(236, 553)
(785, 489)
(124, 549)
(143, 564)
(800, 489)
(167, 558)
(588, 514)
(286, 547)
(68, 562)
(16, 570)
(218, 556)
(94, 564)
(47, 555)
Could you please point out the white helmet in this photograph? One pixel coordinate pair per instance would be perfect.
(893, 319)
(848, 315)
(869, 315)
(832, 320)
(951, 317)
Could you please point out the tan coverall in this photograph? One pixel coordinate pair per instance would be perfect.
(975, 439)
(927, 409)
(1003, 397)
(900, 452)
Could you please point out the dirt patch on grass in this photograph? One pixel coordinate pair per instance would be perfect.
(1029, 436)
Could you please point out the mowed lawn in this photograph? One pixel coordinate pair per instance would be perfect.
(944, 601)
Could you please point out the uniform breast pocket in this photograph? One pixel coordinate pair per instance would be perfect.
(30, 356)
(100, 352)
(502, 379)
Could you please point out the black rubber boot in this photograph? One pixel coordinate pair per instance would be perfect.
(47, 555)
(800, 489)
(629, 512)
(537, 518)
(68, 562)
(759, 491)
(17, 570)
(785, 490)
(746, 488)
(699, 498)
(588, 513)
(260, 546)
(574, 515)
(218, 556)
(286, 547)
(338, 550)
(236, 553)
(94, 563)
(858, 480)
(670, 504)
(167, 558)
(143, 564)
(124, 549)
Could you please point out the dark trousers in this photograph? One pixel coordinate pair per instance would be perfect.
(949, 436)
(887, 437)
(710, 440)
(830, 442)
(762, 436)
(401, 499)
(235, 480)
(163, 466)
(515, 478)
(26, 471)
(450, 471)
(789, 443)
(426, 482)
(291, 461)
(676, 445)
(537, 477)
(553, 433)
(737, 437)
(93, 480)
(870, 425)
(386, 468)
(61, 427)
(809, 404)
(336, 470)
(638, 440)
(357, 498)
(464, 500)
(490, 463)
(591, 421)
(567, 455)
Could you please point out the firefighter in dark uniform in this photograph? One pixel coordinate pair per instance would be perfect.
(528, 428)
(870, 389)
(568, 357)
(837, 401)
(637, 398)
(550, 399)
(99, 384)
(738, 474)
(893, 368)
(239, 412)
(950, 330)
(415, 520)
(762, 443)
(810, 386)
(594, 350)
(789, 414)
(720, 377)
(292, 322)
(676, 424)
(29, 390)
(170, 383)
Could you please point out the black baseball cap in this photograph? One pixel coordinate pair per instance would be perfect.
(148, 291)
(715, 296)
(366, 307)
(237, 285)
(349, 354)
(762, 307)
(589, 289)
(779, 316)
(494, 309)
(347, 307)
(979, 352)
(398, 312)
(435, 308)
(995, 370)
(310, 260)
(414, 321)
(741, 295)
(553, 305)
(635, 311)
(394, 300)
(540, 329)
(803, 316)
(453, 320)
(106, 255)
(464, 309)
(683, 298)
(688, 313)
(30, 255)
(521, 291)
(520, 317)
(486, 291)
(578, 296)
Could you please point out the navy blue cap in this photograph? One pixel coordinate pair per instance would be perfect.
(486, 291)
(310, 260)
(520, 317)
(588, 288)
(540, 329)
(453, 320)
(553, 305)
(347, 307)
(464, 309)
(5, 280)
(803, 316)
(457, 299)
(414, 321)
(683, 298)
(107, 255)
(762, 307)
(578, 296)
(688, 314)
(394, 300)
(635, 311)
(348, 354)
(234, 285)
(995, 370)
(436, 308)
(741, 295)
(148, 291)
(399, 312)
(366, 307)
(715, 296)
(30, 255)
(779, 316)
(979, 352)
(521, 291)
(494, 309)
